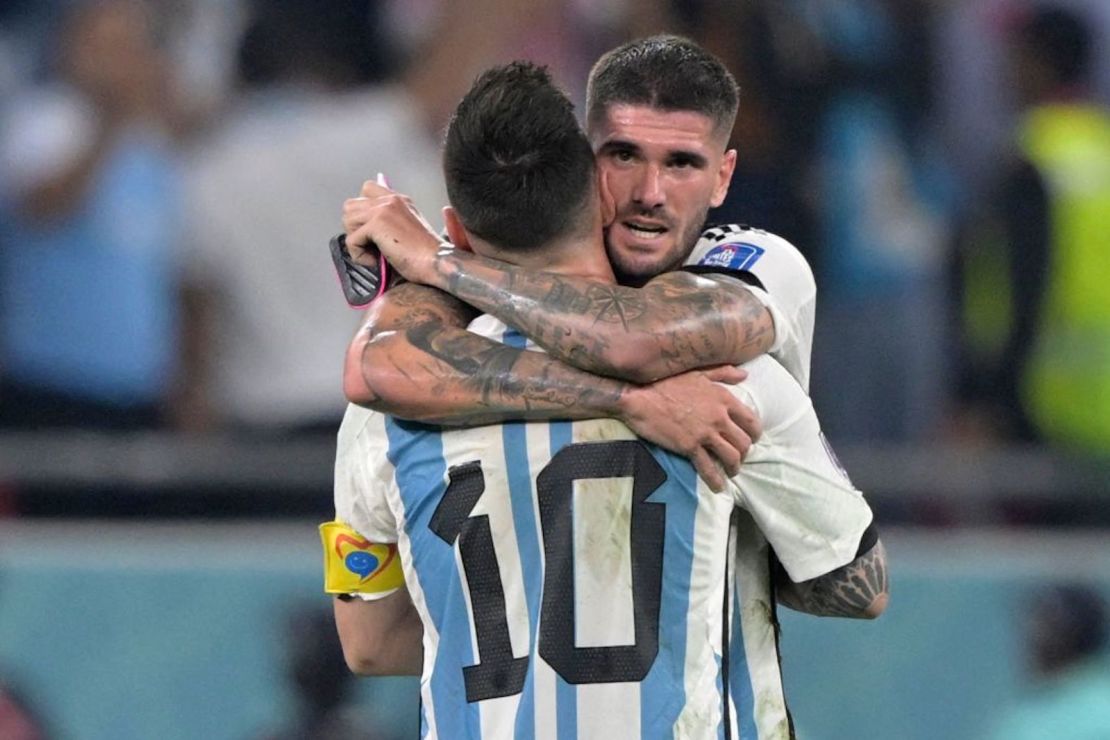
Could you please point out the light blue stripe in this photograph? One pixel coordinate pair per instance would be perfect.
(739, 677)
(663, 691)
(566, 695)
(724, 699)
(416, 452)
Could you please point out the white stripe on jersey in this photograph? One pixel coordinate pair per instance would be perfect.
(603, 552)
(603, 568)
(608, 711)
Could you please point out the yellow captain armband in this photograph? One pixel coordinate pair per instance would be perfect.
(354, 565)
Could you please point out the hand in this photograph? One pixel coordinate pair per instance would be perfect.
(392, 223)
(693, 415)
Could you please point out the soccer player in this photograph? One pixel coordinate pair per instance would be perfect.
(571, 579)
(659, 115)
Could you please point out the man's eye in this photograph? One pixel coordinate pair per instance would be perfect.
(622, 156)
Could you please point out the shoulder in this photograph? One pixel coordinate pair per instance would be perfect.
(354, 428)
(741, 247)
(773, 392)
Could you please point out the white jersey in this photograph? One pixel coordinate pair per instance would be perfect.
(788, 289)
(574, 581)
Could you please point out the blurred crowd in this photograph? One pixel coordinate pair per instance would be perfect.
(170, 171)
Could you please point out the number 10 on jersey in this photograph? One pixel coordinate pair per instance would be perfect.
(497, 672)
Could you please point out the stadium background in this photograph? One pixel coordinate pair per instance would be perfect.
(158, 552)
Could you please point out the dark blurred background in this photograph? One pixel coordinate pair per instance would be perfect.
(171, 336)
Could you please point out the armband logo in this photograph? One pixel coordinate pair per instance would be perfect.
(353, 564)
(733, 255)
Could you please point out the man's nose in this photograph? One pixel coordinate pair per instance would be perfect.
(649, 189)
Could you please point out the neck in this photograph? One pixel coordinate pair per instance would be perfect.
(579, 256)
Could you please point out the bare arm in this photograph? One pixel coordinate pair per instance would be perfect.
(413, 360)
(858, 590)
(381, 638)
(678, 321)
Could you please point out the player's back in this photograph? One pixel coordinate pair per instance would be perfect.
(568, 576)
(574, 581)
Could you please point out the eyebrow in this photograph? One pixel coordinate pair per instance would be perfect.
(618, 145)
(682, 155)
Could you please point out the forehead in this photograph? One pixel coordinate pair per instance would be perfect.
(651, 128)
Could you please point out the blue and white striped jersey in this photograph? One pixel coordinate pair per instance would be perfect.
(574, 581)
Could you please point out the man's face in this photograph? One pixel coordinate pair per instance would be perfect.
(664, 171)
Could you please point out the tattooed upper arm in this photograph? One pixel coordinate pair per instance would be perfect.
(677, 321)
(415, 359)
(408, 305)
(859, 589)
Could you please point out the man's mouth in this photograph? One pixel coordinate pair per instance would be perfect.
(645, 229)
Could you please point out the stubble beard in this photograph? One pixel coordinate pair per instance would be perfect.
(635, 275)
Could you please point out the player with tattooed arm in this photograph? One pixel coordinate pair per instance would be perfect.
(570, 578)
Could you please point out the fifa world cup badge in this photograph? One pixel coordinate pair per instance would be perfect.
(353, 564)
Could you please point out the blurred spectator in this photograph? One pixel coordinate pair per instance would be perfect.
(1065, 638)
(1038, 309)
(858, 79)
(770, 175)
(321, 112)
(322, 682)
(88, 187)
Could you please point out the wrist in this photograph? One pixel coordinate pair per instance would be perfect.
(624, 405)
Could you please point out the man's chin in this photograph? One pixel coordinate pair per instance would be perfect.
(635, 267)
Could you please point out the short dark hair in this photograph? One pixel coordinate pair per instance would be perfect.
(1062, 39)
(518, 167)
(669, 73)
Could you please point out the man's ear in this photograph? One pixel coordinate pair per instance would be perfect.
(724, 178)
(456, 232)
(608, 203)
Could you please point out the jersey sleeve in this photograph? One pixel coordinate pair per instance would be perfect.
(792, 484)
(361, 504)
(778, 275)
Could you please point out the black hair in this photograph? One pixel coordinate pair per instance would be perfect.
(519, 170)
(669, 73)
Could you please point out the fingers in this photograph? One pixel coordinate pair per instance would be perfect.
(708, 470)
(355, 213)
(372, 189)
(746, 418)
(731, 448)
(730, 374)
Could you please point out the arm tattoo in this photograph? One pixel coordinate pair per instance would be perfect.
(491, 370)
(845, 592)
(502, 382)
(676, 319)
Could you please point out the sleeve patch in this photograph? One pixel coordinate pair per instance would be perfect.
(353, 564)
(733, 255)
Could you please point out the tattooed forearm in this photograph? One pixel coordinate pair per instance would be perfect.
(676, 322)
(415, 359)
(859, 589)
